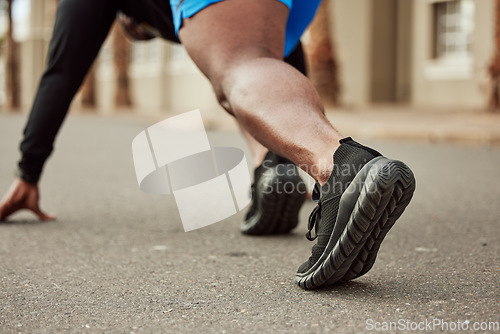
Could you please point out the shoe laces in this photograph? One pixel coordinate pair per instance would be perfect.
(323, 230)
(314, 218)
(315, 215)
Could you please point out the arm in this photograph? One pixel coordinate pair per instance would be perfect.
(80, 29)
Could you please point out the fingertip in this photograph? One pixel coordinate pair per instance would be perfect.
(48, 217)
(44, 216)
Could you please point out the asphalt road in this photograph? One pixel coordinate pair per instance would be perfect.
(118, 261)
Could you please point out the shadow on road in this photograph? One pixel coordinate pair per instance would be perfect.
(23, 222)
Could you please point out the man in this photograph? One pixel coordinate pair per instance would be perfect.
(240, 46)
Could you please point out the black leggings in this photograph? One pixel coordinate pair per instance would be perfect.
(79, 31)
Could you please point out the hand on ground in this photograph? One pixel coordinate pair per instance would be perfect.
(22, 195)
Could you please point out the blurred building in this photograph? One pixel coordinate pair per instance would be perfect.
(162, 77)
(419, 52)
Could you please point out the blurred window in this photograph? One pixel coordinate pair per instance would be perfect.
(177, 52)
(139, 52)
(453, 28)
(156, 50)
(149, 52)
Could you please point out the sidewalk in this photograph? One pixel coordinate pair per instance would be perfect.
(397, 122)
(408, 123)
(389, 122)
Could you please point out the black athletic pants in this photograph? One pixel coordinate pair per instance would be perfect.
(79, 31)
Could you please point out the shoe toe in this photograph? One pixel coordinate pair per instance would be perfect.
(304, 267)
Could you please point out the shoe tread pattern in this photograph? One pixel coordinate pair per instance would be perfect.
(278, 209)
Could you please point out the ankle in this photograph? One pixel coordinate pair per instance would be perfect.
(324, 175)
(324, 165)
(346, 161)
(258, 157)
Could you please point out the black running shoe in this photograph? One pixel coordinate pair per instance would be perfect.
(364, 196)
(278, 193)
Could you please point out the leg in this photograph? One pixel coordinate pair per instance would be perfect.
(258, 150)
(79, 30)
(297, 60)
(361, 194)
(242, 57)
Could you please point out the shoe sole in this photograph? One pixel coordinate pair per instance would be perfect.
(368, 209)
(281, 193)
